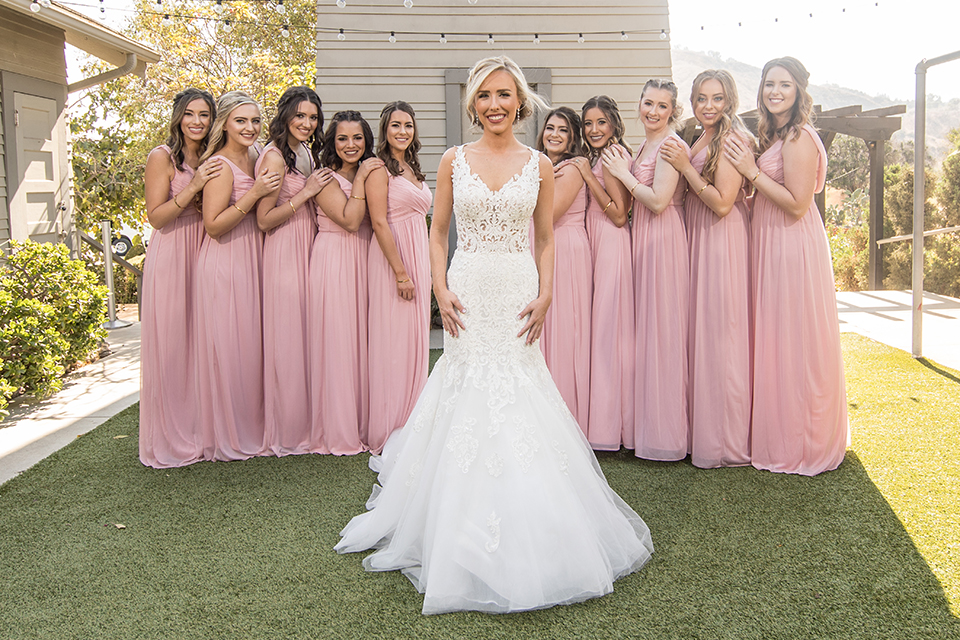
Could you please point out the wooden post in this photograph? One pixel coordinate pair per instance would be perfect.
(875, 252)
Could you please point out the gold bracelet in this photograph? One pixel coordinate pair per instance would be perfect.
(179, 206)
(237, 207)
(705, 185)
(756, 176)
(404, 280)
(608, 205)
(357, 197)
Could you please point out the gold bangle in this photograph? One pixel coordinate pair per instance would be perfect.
(237, 207)
(357, 197)
(705, 185)
(756, 176)
(404, 280)
(179, 206)
(608, 205)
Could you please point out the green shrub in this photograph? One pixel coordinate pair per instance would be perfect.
(31, 347)
(848, 248)
(45, 272)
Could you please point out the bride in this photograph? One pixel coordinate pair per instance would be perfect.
(489, 498)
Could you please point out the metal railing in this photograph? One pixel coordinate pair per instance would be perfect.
(108, 258)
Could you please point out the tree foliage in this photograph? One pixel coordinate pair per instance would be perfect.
(115, 125)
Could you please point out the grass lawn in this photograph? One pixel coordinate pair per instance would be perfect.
(244, 549)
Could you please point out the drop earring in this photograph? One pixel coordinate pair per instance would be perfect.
(476, 120)
(518, 113)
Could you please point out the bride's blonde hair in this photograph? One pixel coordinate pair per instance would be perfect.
(529, 101)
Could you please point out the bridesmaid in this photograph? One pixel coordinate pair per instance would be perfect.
(399, 265)
(565, 340)
(337, 292)
(228, 286)
(718, 237)
(287, 218)
(662, 279)
(612, 325)
(799, 393)
(169, 425)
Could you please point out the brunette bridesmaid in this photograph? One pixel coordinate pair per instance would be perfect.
(288, 219)
(718, 237)
(399, 264)
(565, 340)
(799, 392)
(337, 291)
(661, 277)
(169, 424)
(228, 285)
(612, 335)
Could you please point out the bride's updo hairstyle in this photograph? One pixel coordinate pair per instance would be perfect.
(225, 106)
(529, 101)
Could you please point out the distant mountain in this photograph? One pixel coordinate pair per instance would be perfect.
(941, 116)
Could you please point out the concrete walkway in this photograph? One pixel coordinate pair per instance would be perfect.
(100, 390)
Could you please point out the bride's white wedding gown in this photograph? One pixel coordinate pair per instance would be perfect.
(490, 498)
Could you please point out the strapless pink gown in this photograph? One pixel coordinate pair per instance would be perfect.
(399, 329)
(286, 264)
(230, 346)
(612, 336)
(337, 337)
(719, 344)
(799, 391)
(565, 340)
(662, 277)
(169, 421)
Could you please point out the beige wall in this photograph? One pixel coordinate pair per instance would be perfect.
(365, 71)
(31, 48)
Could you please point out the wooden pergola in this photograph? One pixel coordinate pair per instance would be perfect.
(874, 127)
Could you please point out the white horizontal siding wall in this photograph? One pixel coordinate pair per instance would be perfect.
(365, 71)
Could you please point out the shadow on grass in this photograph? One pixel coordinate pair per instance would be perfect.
(244, 550)
(933, 366)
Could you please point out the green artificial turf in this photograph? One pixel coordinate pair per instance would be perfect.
(244, 549)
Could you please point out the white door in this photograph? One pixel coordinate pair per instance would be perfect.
(35, 213)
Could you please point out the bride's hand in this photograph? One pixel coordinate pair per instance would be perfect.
(450, 310)
(535, 313)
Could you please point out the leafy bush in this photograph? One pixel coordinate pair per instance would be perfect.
(848, 248)
(51, 309)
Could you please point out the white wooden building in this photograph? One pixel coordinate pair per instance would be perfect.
(364, 70)
(35, 173)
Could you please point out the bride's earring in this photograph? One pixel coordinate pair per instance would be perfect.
(518, 113)
(476, 120)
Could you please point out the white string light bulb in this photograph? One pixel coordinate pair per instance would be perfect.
(285, 32)
(280, 8)
(341, 36)
(166, 20)
(623, 35)
(490, 39)
(227, 27)
(393, 37)
(443, 38)
(472, 1)
(663, 34)
(341, 3)
(580, 39)
(218, 8)
(536, 38)
(35, 6)
(408, 3)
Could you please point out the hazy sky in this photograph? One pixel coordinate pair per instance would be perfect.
(873, 46)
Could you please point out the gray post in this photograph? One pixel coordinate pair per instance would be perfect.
(107, 237)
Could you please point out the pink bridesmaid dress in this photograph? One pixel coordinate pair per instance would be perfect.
(662, 276)
(286, 264)
(169, 424)
(565, 340)
(612, 335)
(230, 348)
(799, 391)
(719, 331)
(399, 336)
(337, 339)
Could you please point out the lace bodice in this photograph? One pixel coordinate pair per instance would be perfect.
(490, 220)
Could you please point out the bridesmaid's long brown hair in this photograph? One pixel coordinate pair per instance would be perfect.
(800, 115)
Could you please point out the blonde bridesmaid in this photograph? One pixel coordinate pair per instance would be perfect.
(337, 293)
(718, 237)
(398, 200)
(565, 340)
(661, 278)
(799, 392)
(612, 335)
(169, 424)
(288, 219)
(229, 285)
